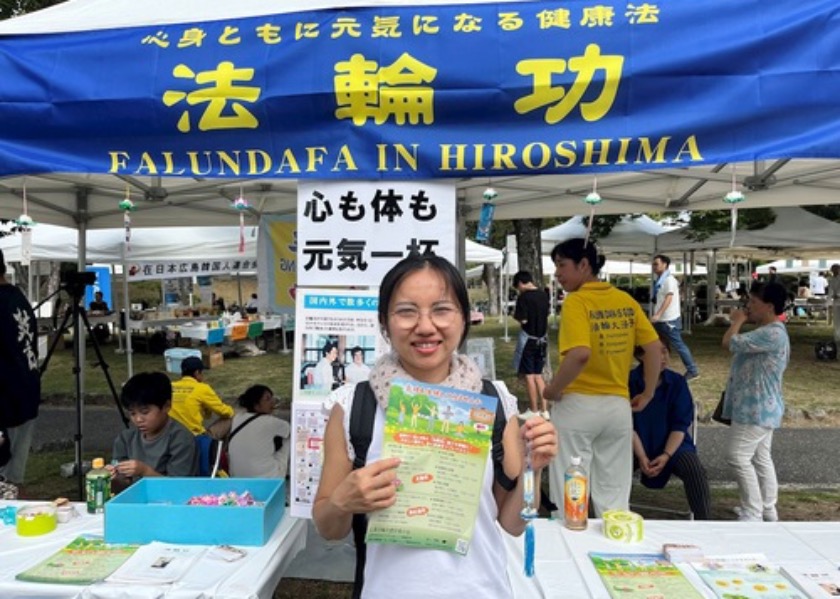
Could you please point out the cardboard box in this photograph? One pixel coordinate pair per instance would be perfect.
(213, 359)
(176, 355)
(155, 509)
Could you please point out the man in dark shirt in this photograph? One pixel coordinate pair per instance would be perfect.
(20, 379)
(98, 304)
(529, 358)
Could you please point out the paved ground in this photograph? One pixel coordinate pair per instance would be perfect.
(803, 456)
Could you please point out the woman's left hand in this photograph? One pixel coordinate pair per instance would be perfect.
(540, 438)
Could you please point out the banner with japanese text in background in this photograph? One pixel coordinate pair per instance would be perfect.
(177, 269)
(417, 91)
(277, 253)
(350, 233)
(337, 341)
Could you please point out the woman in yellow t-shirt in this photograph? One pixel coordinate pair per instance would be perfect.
(591, 407)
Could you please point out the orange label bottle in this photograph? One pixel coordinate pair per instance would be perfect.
(576, 496)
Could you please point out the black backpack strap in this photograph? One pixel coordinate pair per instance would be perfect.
(362, 416)
(241, 426)
(498, 449)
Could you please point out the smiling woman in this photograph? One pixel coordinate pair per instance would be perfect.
(424, 313)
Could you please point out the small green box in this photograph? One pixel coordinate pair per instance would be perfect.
(155, 509)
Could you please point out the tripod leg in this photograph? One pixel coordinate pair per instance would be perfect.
(104, 365)
(59, 334)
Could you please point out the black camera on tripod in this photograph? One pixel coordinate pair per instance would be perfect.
(74, 282)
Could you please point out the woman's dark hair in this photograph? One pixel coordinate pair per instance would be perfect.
(252, 396)
(413, 263)
(328, 347)
(576, 250)
(770, 293)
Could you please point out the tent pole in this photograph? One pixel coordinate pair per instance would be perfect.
(127, 307)
(81, 266)
(114, 304)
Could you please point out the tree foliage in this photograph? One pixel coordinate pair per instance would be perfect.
(14, 8)
(703, 224)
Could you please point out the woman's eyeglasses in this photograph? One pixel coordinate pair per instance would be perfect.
(407, 317)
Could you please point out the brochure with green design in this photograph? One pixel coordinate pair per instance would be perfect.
(87, 559)
(641, 576)
(443, 437)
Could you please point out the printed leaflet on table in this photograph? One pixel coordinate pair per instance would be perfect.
(746, 576)
(85, 560)
(443, 437)
(815, 580)
(158, 563)
(642, 575)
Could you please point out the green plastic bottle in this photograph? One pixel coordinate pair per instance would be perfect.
(97, 486)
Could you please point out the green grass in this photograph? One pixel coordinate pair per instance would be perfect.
(806, 379)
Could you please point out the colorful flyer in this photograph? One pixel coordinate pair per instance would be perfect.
(87, 559)
(745, 576)
(641, 576)
(443, 437)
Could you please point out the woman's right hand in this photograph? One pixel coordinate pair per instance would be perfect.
(368, 489)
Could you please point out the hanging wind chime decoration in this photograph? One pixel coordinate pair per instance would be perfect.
(241, 205)
(25, 223)
(127, 206)
(733, 198)
(593, 199)
(485, 219)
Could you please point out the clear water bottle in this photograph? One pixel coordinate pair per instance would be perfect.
(97, 486)
(576, 496)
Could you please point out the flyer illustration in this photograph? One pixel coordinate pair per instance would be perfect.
(641, 576)
(84, 560)
(443, 437)
(745, 576)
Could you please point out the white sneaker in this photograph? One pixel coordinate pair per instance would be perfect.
(769, 514)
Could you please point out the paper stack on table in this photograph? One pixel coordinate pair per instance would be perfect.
(817, 580)
(158, 563)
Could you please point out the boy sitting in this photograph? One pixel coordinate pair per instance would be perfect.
(156, 445)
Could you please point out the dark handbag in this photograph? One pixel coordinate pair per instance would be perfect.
(717, 415)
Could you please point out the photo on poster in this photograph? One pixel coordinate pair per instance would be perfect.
(337, 342)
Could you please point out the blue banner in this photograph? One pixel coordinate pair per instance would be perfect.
(102, 284)
(430, 91)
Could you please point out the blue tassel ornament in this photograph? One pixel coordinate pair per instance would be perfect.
(529, 513)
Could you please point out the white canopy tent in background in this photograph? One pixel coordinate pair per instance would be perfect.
(481, 254)
(785, 266)
(796, 233)
(147, 244)
(632, 235)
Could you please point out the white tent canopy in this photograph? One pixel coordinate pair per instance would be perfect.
(148, 244)
(795, 233)
(795, 266)
(478, 253)
(632, 235)
(50, 242)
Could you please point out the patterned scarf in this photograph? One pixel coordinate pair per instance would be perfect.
(463, 374)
